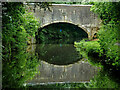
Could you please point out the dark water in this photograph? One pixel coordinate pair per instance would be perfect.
(61, 63)
(58, 54)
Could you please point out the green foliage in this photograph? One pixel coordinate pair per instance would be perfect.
(30, 23)
(22, 67)
(106, 50)
(107, 11)
(89, 50)
(109, 32)
(18, 25)
(12, 28)
(88, 46)
(109, 38)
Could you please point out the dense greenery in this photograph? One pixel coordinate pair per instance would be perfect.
(61, 32)
(105, 51)
(109, 33)
(89, 50)
(108, 77)
(18, 27)
(103, 80)
(22, 67)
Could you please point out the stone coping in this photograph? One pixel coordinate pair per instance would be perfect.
(71, 5)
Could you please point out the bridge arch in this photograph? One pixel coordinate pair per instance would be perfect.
(68, 31)
(68, 22)
(76, 14)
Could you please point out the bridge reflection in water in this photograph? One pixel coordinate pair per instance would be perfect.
(78, 72)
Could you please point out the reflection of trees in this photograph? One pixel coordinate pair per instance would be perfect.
(60, 54)
(20, 67)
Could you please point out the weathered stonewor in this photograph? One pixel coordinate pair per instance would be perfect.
(75, 14)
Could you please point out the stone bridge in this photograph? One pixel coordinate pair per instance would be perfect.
(79, 15)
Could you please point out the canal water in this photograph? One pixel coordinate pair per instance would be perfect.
(60, 62)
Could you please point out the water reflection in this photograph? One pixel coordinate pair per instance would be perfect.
(58, 54)
(81, 71)
(61, 63)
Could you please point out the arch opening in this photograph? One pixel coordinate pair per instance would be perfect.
(60, 31)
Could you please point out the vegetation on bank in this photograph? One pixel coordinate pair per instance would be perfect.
(108, 77)
(106, 51)
(89, 50)
(103, 80)
(17, 27)
(107, 46)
